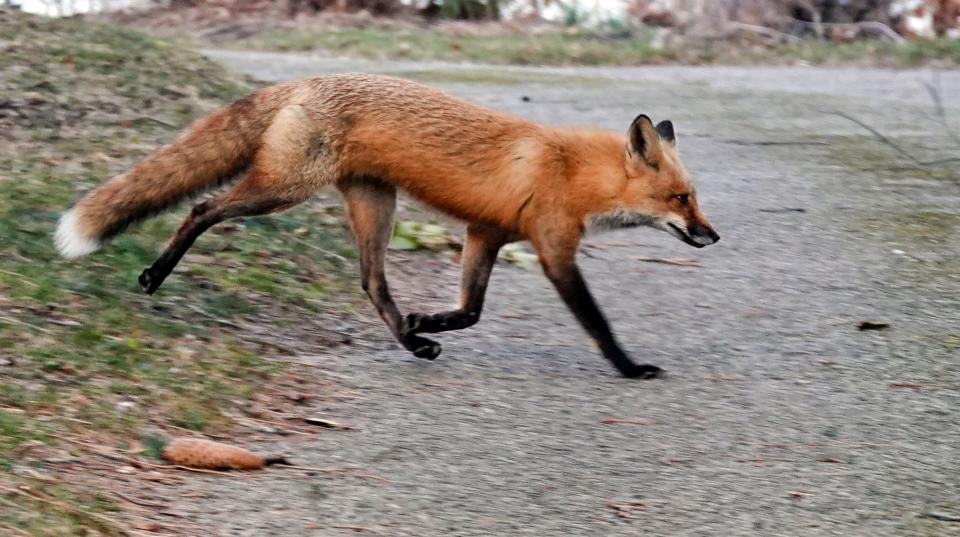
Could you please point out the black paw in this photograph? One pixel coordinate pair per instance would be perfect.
(422, 347)
(644, 371)
(429, 351)
(412, 323)
(148, 282)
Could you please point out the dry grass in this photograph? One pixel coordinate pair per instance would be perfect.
(82, 351)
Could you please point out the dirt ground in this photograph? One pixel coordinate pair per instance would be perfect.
(779, 417)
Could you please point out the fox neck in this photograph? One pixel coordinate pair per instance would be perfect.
(618, 218)
(599, 159)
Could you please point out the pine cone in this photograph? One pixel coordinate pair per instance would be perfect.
(200, 453)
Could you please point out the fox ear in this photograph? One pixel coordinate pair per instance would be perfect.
(665, 130)
(643, 141)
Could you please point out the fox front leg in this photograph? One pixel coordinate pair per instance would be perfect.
(557, 251)
(573, 289)
(479, 256)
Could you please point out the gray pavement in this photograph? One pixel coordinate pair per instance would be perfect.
(779, 416)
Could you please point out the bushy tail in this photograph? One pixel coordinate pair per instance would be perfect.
(212, 150)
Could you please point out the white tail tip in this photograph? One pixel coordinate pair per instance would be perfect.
(70, 240)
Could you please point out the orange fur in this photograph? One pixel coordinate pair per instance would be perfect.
(476, 164)
(372, 135)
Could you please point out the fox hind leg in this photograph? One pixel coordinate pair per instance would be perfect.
(370, 207)
(248, 198)
(285, 171)
(479, 256)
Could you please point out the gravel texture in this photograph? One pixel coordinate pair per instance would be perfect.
(779, 417)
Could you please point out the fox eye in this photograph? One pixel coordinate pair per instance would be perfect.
(682, 198)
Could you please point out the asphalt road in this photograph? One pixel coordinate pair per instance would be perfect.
(779, 416)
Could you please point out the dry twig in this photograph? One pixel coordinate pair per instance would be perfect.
(933, 88)
(627, 421)
(357, 529)
(137, 501)
(677, 262)
(877, 26)
(946, 517)
(13, 530)
(890, 143)
(906, 385)
(22, 323)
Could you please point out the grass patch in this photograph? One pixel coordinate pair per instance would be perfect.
(498, 78)
(584, 48)
(553, 48)
(913, 53)
(81, 349)
(45, 509)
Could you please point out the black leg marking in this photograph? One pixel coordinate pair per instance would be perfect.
(479, 257)
(422, 323)
(202, 217)
(573, 289)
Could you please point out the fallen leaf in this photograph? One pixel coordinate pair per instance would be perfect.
(410, 235)
(300, 398)
(146, 525)
(626, 509)
(516, 254)
(226, 229)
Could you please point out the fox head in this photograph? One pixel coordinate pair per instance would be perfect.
(658, 191)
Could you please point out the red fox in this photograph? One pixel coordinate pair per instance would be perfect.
(371, 136)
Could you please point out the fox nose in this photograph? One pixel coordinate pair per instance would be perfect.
(704, 234)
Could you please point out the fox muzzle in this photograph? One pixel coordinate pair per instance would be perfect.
(696, 235)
